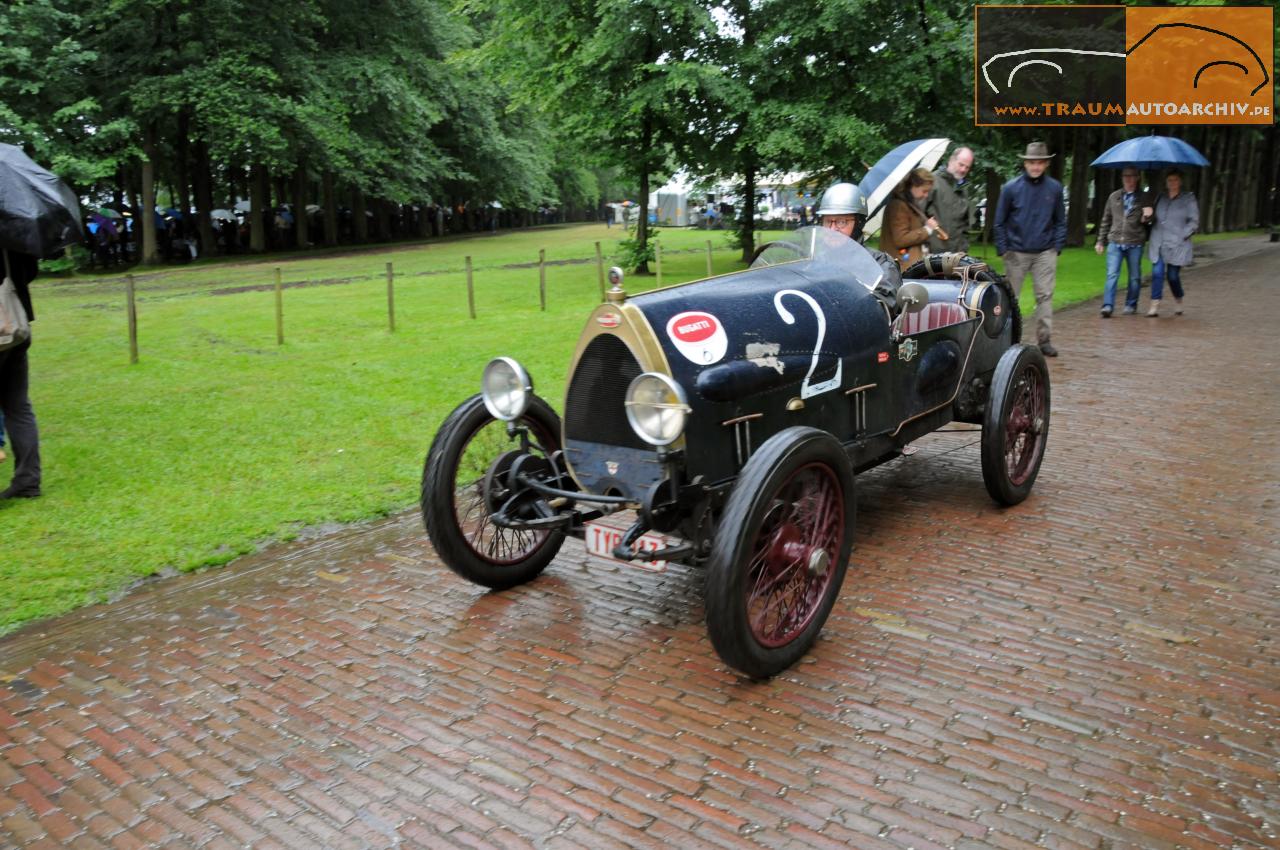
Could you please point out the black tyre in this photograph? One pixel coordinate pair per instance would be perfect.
(781, 551)
(453, 503)
(1015, 427)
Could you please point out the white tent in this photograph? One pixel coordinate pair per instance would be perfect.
(671, 203)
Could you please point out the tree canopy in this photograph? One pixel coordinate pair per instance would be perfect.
(382, 108)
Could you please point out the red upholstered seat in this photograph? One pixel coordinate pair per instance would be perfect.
(936, 314)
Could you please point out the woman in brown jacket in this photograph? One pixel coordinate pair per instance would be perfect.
(906, 229)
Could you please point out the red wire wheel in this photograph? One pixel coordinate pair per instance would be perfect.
(457, 495)
(781, 551)
(1015, 429)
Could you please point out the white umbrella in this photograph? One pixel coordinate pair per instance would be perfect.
(243, 206)
(891, 169)
(222, 215)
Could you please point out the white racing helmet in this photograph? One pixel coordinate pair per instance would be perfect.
(843, 199)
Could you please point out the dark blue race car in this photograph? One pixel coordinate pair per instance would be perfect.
(727, 418)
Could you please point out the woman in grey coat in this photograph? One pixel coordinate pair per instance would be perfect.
(1177, 217)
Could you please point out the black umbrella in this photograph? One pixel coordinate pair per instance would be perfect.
(39, 215)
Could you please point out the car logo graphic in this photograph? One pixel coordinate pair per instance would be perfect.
(612, 466)
(609, 320)
(908, 350)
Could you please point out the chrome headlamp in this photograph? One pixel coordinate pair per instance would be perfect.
(657, 408)
(506, 389)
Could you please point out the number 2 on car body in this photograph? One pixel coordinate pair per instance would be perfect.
(808, 390)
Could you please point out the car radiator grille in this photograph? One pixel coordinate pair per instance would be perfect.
(594, 411)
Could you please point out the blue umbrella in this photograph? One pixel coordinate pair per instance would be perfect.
(890, 170)
(1150, 152)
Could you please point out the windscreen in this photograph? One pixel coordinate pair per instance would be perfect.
(826, 247)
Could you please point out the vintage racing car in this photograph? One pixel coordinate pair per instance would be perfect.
(729, 417)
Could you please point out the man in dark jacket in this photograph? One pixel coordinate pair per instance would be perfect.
(1031, 230)
(19, 418)
(1121, 235)
(949, 203)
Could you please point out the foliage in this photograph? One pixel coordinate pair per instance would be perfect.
(635, 253)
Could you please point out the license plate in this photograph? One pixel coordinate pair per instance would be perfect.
(601, 539)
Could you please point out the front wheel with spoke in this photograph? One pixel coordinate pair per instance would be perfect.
(780, 552)
(1015, 428)
(457, 508)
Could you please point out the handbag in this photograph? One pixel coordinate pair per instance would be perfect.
(15, 329)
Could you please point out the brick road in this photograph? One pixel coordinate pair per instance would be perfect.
(1096, 668)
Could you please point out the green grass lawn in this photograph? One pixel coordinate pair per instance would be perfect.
(219, 440)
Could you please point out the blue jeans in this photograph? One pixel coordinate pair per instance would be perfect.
(1157, 279)
(1132, 255)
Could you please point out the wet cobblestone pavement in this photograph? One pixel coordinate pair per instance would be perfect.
(1096, 668)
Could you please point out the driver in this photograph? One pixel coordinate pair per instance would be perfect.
(844, 210)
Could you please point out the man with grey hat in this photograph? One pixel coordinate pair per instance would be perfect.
(1031, 231)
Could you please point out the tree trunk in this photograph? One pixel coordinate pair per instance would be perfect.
(1248, 176)
(183, 142)
(204, 199)
(1078, 214)
(748, 237)
(1226, 180)
(301, 239)
(146, 215)
(258, 209)
(1269, 176)
(360, 221)
(383, 213)
(1102, 177)
(330, 210)
(118, 190)
(1058, 146)
(642, 227)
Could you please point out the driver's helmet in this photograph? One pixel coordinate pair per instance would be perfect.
(843, 199)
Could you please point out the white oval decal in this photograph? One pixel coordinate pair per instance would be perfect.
(698, 336)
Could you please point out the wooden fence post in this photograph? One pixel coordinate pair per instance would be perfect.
(542, 278)
(391, 298)
(657, 253)
(471, 290)
(710, 271)
(279, 309)
(132, 308)
(600, 269)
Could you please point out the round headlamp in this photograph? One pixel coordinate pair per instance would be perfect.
(506, 388)
(656, 408)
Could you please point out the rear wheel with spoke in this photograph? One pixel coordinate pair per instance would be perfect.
(460, 495)
(781, 551)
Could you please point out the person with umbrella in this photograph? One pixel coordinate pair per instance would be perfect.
(1121, 235)
(1177, 217)
(39, 216)
(907, 227)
